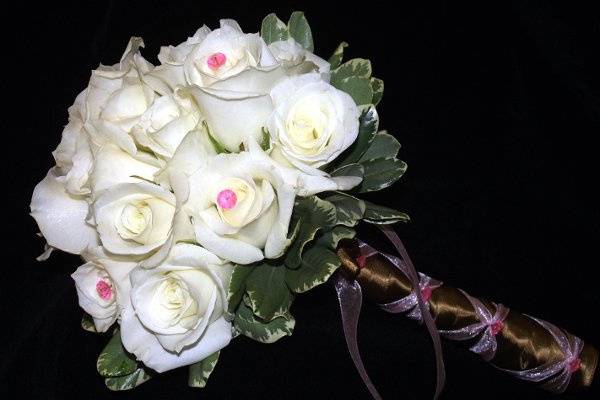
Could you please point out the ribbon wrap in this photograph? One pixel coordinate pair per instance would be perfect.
(520, 345)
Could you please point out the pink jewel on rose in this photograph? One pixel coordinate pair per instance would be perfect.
(226, 199)
(216, 60)
(104, 290)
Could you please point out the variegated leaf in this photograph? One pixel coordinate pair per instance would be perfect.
(267, 292)
(114, 361)
(127, 382)
(376, 214)
(200, 371)
(336, 58)
(273, 29)
(318, 263)
(247, 324)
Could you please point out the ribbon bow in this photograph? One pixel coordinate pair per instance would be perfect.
(349, 295)
(559, 372)
(489, 324)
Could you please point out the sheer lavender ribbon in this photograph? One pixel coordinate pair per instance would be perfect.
(349, 295)
(489, 324)
(559, 372)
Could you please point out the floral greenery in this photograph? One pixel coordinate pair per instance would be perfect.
(260, 295)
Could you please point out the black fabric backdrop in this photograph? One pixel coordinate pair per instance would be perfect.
(497, 109)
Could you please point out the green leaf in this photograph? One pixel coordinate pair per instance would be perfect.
(336, 58)
(219, 148)
(127, 382)
(87, 323)
(265, 142)
(237, 285)
(358, 88)
(384, 145)
(200, 371)
(376, 214)
(332, 237)
(377, 86)
(349, 170)
(114, 360)
(357, 67)
(273, 29)
(381, 173)
(247, 324)
(368, 124)
(349, 209)
(318, 263)
(300, 30)
(313, 214)
(268, 295)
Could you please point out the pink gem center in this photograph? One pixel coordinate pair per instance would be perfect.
(104, 290)
(226, 199)
(574, 365)
(496, 327)
(214, 61)
(426, 293)
(361, 261)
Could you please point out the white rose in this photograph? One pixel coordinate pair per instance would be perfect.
(117, 97)
(73, 155)
(61, 216)
(312, 124)
(231, 74)
(298, 60)
(166, 122)
(102, 287)
(175, 314)
(134, 218)
(240, 205)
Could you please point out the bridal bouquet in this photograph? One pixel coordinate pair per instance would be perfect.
(206, 192)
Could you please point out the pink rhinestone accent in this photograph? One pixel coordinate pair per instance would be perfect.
(574, 365)
(426, 293)
(226, 199)
(104, 290)
(496, 327)
(215, 61)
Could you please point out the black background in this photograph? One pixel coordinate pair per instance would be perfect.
(498, 110)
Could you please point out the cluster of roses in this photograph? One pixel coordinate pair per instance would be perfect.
(169, 176)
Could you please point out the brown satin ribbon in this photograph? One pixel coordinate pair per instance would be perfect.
(522, 343)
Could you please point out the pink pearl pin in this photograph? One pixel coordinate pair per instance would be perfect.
(574, 365)
(214, 61)
(426, 293)
(226, 199)
(496, 327)
(104, 290)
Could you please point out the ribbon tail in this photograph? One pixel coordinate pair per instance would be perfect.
(350, 298)
(426, 315)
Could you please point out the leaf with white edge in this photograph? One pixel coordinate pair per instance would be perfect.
(336, 58)
(368, 125)
(200, 371)
(349, 209)
(358, 88)
(318, 264)
(376, 214)
(300, 30)
(357, 67)
(377, 86)
(87, 323)
(114, 360)
(237, 285)
(384, 145)
(381, 173)
(331, 238)
(247, 324)
(127, 382)
(268, 295)
(313, 214)
(349, 170)
(273, 29)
